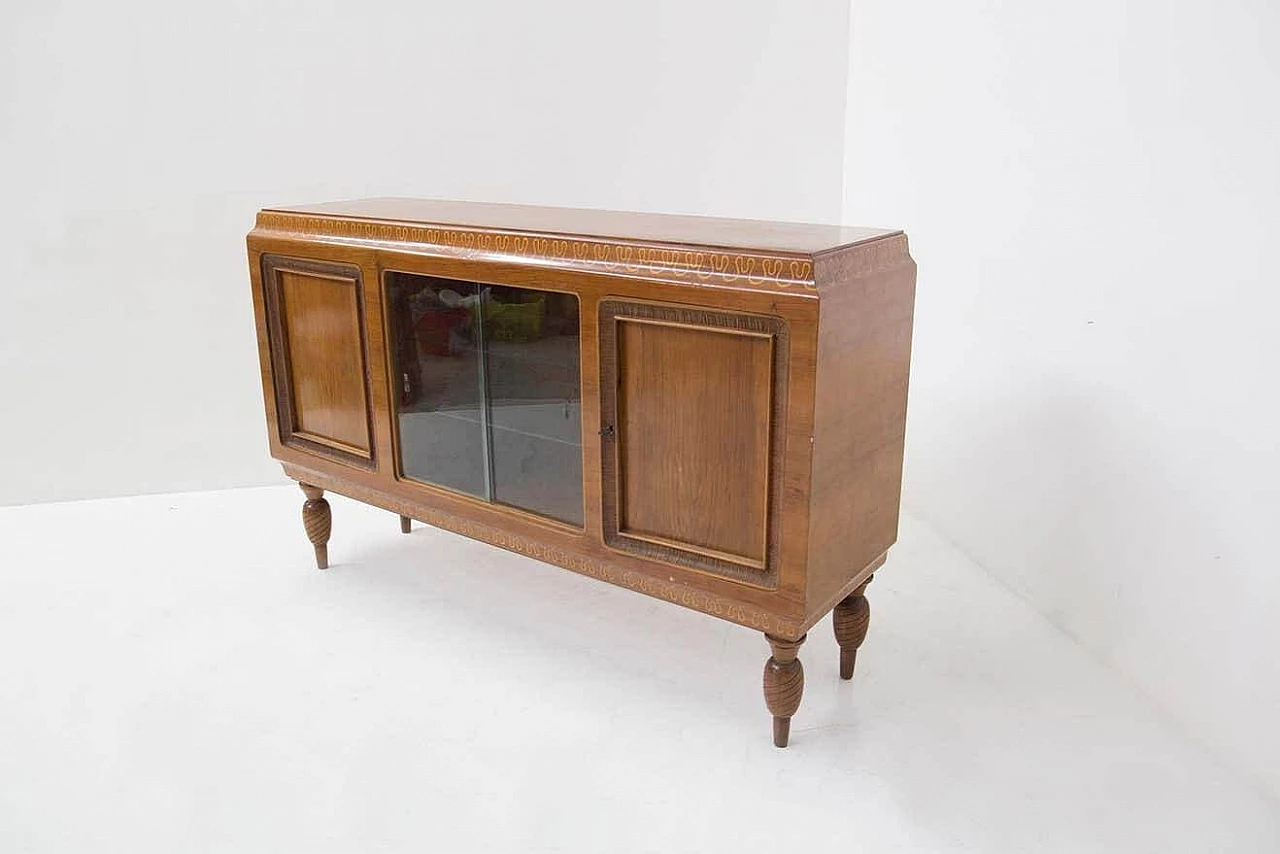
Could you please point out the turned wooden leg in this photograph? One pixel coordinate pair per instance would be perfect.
(406, 524)
(850, 620)
(317, 519)
(783, 685)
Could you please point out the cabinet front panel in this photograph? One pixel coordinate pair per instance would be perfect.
(693, 410)
(318, 349)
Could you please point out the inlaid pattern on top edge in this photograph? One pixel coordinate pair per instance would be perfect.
(736, 268)
(875, 256)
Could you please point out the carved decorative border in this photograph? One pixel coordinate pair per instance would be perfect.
(282, 374)
(866, 259)
(610, 310)
(757, 270)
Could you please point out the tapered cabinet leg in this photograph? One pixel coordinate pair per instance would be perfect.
(318, 520)
(850, 620)
(406, 524)
(783, 685)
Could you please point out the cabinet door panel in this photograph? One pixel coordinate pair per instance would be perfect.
(316, 325)
(692, 397)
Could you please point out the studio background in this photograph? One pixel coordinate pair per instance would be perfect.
(1091, 192)
(140, 140)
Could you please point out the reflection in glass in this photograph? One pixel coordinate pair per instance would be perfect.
(441, 399)
(490, 399)
(535, 406)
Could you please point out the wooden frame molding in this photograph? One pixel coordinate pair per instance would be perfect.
(755, 270)
(759, 571)
(292, 431)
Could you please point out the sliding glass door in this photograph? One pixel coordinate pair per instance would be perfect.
(490, 400)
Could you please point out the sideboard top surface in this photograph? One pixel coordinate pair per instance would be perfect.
(791, 238)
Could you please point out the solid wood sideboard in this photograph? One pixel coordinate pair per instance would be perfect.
(707, 411)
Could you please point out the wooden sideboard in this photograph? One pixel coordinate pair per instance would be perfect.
(707, 411)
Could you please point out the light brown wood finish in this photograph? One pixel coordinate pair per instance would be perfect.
(783, 685)
(317, 520)
(323, 328)
(700, 231)
(777, 610)
(860, 413)
(780, 428)
(850, 621)
(837, 390)
(314, 314)
(689, 437)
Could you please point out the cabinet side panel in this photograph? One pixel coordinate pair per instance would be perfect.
(867, 297)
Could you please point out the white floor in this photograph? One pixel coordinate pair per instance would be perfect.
(175, 676)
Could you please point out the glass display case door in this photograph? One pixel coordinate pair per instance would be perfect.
(489, 398)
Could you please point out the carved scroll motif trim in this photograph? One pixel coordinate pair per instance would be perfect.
(741, 269)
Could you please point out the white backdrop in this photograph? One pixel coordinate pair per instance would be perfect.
(1093, 193)
(1089, 189)
(137, 140)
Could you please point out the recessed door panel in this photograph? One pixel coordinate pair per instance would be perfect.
(691, 410)
(314, 312)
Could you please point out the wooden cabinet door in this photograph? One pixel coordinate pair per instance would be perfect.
(315, 320)
(692, 401)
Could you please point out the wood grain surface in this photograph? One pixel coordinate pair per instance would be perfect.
(322, 328)
(693, 434)
(317, 521)
(759, 235)
(316, 364)
(783, 685)
(850, 621)
(840, 344)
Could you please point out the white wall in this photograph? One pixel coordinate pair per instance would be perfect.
(1092, 192)
(138, 139)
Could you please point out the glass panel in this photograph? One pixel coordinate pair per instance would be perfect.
(438, 366)
(490, 399)
(535, 402)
